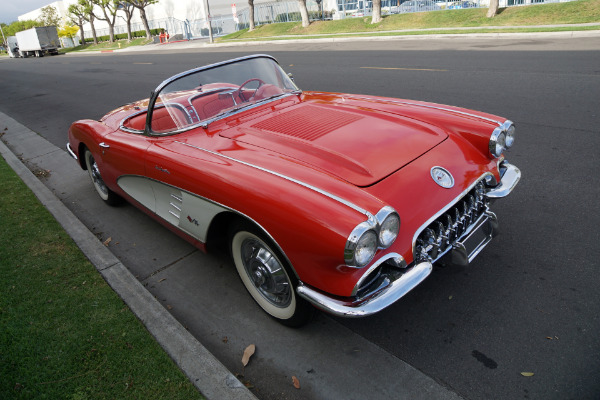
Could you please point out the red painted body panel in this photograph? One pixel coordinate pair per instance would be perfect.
(375, 152)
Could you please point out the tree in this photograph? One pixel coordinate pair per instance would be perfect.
(376, 12)
(304, 13)
(251, 15)
(78, 17)
(109, 10)
(88, 11)
(141, 5)
(19, 26)
(68, 31)
(49, 17)
(128, 10)
(493, 10)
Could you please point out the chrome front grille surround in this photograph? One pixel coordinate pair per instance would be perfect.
(454, 224)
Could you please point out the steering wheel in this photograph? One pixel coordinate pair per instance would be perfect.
(241, 94)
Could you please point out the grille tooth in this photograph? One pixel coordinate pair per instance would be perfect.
(437, 238)
(449, 233)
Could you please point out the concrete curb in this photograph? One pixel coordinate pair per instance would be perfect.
(207, 373)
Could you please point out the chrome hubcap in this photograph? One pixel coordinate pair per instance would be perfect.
(266, 273)
(95, 174)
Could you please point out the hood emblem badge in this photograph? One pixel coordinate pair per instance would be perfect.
(442, 177)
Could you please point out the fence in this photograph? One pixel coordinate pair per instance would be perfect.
(360, 8)
(171, 25)
(289, 11)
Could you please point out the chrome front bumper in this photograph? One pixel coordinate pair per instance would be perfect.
(391, 291)
(511, 177)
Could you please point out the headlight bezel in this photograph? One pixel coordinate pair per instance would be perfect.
(363, 231)
(386, 215)
(510, 136)
(502, 139)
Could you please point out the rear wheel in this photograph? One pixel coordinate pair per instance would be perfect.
(267, 277)
(103, 191)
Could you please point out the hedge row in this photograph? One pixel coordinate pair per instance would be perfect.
(120, 36)
(295, 16)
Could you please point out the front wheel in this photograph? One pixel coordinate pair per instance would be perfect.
(103, 191)
(267, 277)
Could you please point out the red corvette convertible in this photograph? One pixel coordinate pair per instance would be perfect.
(338, 201)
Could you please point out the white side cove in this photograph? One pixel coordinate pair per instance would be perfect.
(188, 212)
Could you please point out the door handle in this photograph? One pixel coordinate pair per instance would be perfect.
(104, 145)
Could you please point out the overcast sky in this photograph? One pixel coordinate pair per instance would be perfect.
(11, 9)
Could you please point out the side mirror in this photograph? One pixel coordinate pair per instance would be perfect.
(291, 76)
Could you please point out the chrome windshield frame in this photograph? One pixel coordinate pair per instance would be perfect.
(155, 94)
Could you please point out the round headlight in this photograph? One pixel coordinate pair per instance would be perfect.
(365, 248)
(510, 136)
(388, 232)
(497, 142)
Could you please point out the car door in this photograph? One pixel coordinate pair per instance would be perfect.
(177, 183)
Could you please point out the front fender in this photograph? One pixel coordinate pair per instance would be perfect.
(87, 133)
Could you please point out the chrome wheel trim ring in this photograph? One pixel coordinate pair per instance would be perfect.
(95, 175)
(266, 273)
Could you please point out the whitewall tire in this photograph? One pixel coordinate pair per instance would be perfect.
(267, 277)
(103, 191)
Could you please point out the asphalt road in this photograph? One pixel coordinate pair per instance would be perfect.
(530, 301)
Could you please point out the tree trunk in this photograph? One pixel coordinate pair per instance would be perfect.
(304, 13)
(250, 15)
(376, 12)
(493, 10)
(93, 30)
(111, 25)
(81, 34)
(145, 22)
(111, 33)
(129, 38)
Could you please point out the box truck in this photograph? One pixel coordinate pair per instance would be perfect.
(38, 41)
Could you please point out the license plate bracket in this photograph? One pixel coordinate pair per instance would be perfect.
(464, 251)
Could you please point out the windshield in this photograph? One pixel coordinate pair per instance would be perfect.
(200, 96)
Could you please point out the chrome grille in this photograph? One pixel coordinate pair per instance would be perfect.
(454, 224)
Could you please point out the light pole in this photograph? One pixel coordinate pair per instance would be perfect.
(3, 38)
(207, 12)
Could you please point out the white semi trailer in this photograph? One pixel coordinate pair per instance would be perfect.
(38, 41)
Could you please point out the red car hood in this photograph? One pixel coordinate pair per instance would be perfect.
(358, 144)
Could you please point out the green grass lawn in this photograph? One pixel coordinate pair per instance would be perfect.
(576, 12)
(64, 334)
(119, 44)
